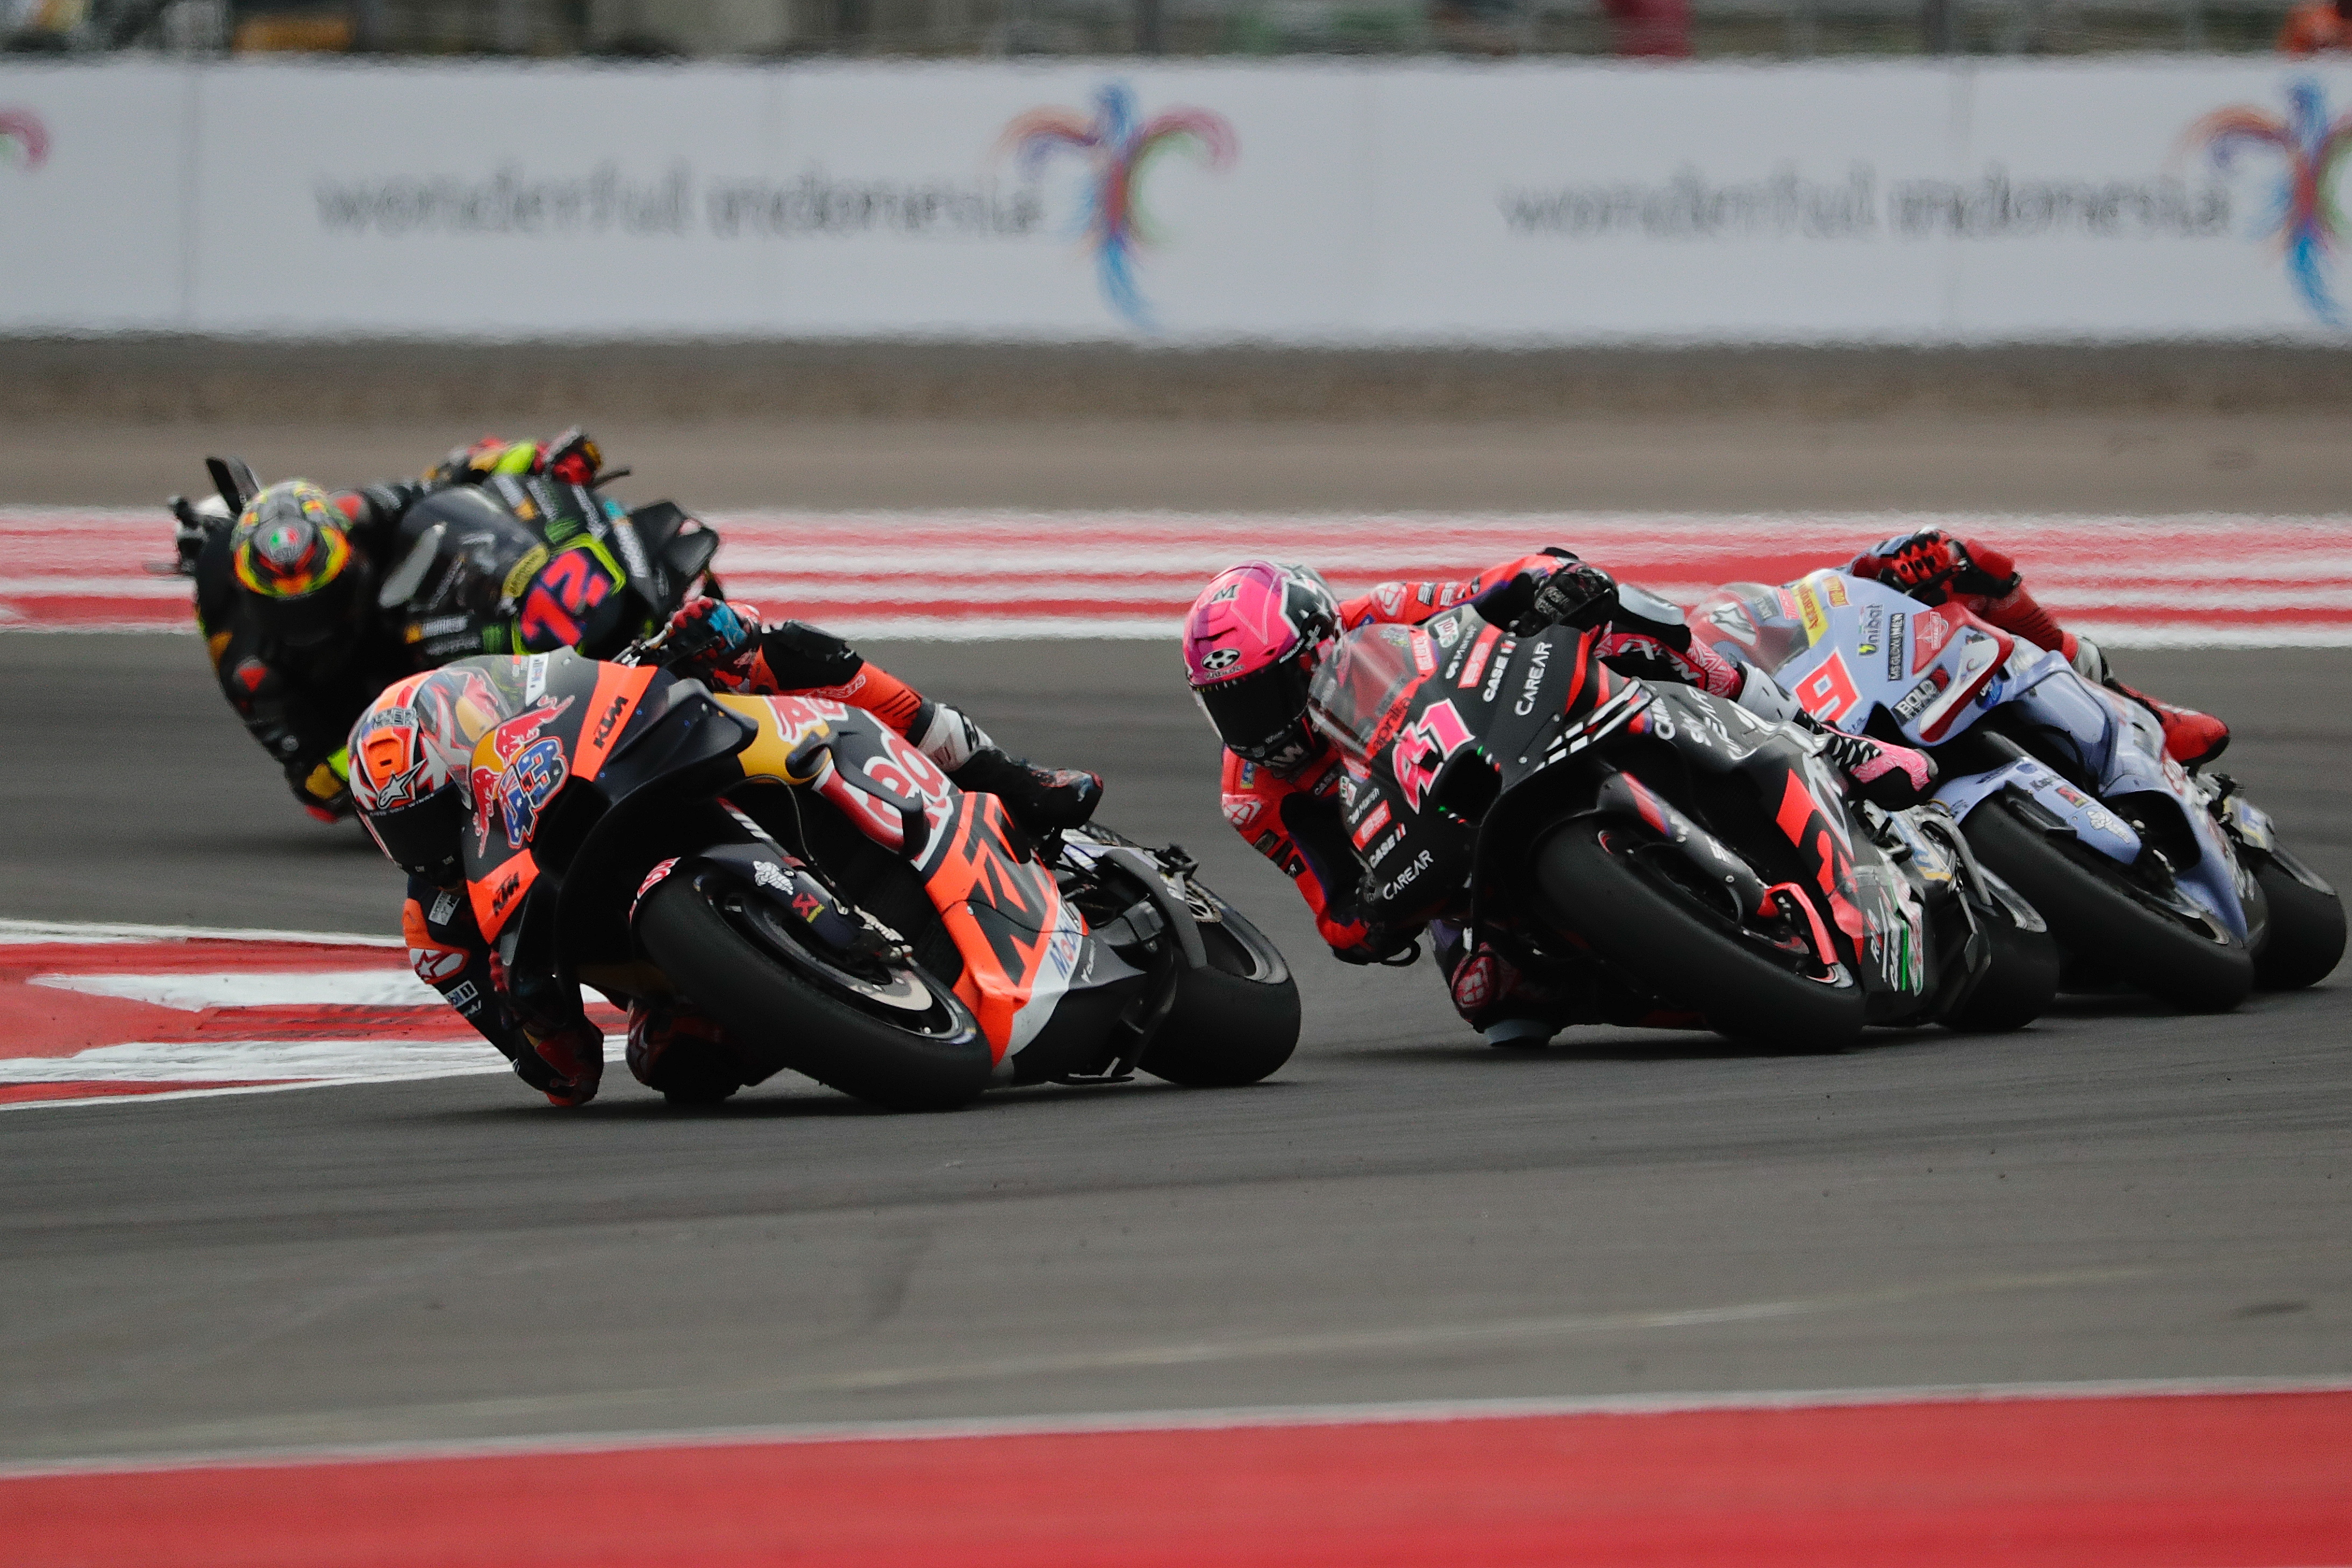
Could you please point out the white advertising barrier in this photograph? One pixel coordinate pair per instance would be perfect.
(1450, 202)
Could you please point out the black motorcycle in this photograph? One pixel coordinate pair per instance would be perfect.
(1661, 851)
(516, 565)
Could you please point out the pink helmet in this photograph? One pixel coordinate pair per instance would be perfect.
(1251, 643)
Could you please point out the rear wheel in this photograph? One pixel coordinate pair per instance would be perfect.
(1235, 1021)
(2307, 929)
(2094, 910)
(1686, 953)
(894, 1037)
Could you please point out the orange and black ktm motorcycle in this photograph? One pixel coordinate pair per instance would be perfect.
(816, 886)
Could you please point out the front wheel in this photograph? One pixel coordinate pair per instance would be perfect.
(897, 1038)
(2307, 929)
(2093, 912)
(2019, 984)
(1235, 1021)
(1683, 952)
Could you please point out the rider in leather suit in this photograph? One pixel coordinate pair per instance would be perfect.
(1250, 643)
(1937, 568)
(410, 755)
(285, 599)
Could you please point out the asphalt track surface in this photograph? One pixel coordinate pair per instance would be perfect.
(1402, 1213)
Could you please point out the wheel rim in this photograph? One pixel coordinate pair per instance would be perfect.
(902, 995)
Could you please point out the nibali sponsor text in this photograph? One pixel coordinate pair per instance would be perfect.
(674, 202)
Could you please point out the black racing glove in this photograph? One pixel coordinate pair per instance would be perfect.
(1572, 593)
(1575, 594)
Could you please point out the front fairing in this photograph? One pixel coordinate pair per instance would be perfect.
(568, 715)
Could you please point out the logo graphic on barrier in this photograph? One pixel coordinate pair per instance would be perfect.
(2302, 215)
(1119, 152)
(24, 140)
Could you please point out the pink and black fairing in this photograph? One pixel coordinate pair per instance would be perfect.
(1471, 751)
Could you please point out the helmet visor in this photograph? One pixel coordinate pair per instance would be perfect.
(1258, 714)
(427, 839)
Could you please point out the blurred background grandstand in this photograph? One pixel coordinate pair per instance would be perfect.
(1725, 29)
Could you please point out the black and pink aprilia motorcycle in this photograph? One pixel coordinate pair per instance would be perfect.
(1664, 851)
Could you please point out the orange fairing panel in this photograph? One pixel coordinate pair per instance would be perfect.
(1019, 939)
(619, 689)
(497, 895)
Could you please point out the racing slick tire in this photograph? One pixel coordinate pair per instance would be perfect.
(2307, 929)
(777, 1008)
(1234, 1022)
(2095, 911)
(1683, 952)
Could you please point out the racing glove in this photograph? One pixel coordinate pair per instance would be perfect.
(1932, 565)
(565, 1064)
(574, 457)
(1391, 947)
(714, 642)
(1572, 593)
(323, 788)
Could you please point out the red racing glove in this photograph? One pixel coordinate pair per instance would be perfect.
(713, 641)
(1933, 562)
(574, 457)
(567, 1065)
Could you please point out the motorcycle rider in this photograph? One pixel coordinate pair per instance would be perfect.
(1252, 642)
(285, 602)
(412, 755)
(1937, 568)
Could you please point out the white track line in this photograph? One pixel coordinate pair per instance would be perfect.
(1213, 1419)
(93, 931)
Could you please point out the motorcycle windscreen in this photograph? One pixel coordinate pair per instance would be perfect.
(1365, 683)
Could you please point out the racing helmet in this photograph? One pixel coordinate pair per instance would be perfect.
(411, 756)
(1252, 641)
(291, 550)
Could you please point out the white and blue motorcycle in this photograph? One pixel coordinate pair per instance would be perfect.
(2168, 881)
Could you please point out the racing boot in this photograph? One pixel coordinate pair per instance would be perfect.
(1040, 799)
(1888, 777)
(2191, 737)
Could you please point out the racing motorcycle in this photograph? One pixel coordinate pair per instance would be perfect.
(2174, 883)
(815, 884)
(1661, 851)
(518, 564)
